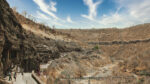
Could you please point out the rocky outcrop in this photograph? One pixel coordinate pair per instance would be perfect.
(11, 36)
(24, 48)
(41, 49)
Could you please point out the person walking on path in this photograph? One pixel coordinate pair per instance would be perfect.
(39, 72)
(21, 71)
(9, 74)
(15, 74)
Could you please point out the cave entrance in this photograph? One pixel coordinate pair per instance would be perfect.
(9, 55)
(29, 65)
(9, 58)
(5, 60)
(13, 54)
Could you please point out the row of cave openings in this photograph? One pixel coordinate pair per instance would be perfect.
(11, 57)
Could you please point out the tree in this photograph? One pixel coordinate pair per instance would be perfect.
(14, 8)
(24, 13)
(32, 18)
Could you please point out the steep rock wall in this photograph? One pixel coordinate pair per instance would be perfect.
(11, 36)
(23, 48)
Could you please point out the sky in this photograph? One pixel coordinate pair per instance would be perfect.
(83, 14)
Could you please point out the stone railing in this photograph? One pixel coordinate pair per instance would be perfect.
(37, 79)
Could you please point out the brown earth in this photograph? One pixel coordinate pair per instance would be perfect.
(138, 32)
(40, 29)
(24, 48)
(129, 46)
(26, 43)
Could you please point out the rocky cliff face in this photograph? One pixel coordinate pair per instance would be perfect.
(41, 49)
(24, 48)
(11, 36)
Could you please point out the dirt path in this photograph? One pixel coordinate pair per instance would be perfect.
(25, 79)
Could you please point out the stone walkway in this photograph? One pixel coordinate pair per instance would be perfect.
(25, 79)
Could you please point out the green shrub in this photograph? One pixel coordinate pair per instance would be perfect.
(144, 73)
(140, 81)
(96, 47)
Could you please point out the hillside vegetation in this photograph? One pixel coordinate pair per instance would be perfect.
(130, 46)
(139, 32)
(123, 49)
(76, 56)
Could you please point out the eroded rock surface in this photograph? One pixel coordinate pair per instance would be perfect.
(11, 36)
(24, 48)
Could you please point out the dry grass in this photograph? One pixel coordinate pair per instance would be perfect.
(138, 32)
(40, 29)
(135, 59)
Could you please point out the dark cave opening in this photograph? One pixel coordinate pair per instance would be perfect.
(9, 58)
(13, 54)
(5, 61)
(30, 64)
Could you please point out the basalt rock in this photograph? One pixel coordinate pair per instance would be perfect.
(11, 36)
(24, 48)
